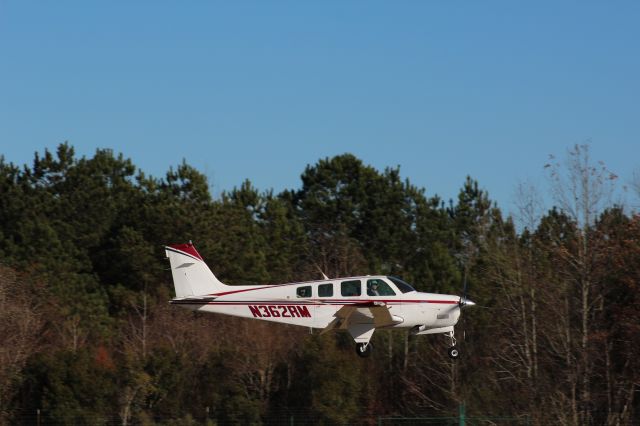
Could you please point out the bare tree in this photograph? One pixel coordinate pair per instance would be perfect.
(582, 190)
(20, 326)
(136, 337)
(529, 205)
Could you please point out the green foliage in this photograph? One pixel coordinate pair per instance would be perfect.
(71, 388)
(351, 211)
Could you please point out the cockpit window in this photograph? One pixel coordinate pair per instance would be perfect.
(376, 287)
(402, 286)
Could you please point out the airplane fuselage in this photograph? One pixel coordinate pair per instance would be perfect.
(284, 303)
(359, 305)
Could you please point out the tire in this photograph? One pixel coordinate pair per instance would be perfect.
(454, 353)
(364, 351)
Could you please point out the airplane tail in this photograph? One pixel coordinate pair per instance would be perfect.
(191, 276)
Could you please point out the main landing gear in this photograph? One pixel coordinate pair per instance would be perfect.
(453, 351)
(364, 349)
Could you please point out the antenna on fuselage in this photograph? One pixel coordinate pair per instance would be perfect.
(324, 276)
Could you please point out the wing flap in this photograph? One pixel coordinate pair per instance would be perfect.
(369, 314)
(381, 316)
(341, 319)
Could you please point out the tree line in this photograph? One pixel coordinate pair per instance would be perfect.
(89, 338)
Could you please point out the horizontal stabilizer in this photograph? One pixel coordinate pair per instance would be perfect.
(192, 300)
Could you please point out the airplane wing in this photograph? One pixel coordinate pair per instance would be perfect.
(367, 315)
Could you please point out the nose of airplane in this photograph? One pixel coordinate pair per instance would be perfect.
(464, 302)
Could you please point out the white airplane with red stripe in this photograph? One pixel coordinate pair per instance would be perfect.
(359, 305)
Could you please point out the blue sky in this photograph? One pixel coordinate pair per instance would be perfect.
(260, 89)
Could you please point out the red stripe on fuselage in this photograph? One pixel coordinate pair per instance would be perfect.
(394, 301)
(317, 302)
(224, 293)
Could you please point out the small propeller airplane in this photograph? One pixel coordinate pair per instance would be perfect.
(359, 305)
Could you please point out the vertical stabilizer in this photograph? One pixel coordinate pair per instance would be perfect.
(191, 276)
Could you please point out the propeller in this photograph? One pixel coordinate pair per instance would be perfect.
(464, 301)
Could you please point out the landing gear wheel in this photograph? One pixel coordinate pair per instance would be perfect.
(454, 353)
(364, 349)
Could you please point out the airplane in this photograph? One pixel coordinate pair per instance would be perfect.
(359, 305)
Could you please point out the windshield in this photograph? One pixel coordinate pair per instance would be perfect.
(402, 286)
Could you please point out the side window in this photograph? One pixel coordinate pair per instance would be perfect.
(303, 291)
(377, 287)
(325, 290)
(350, 288)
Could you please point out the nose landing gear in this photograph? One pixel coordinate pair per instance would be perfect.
(453, 351)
